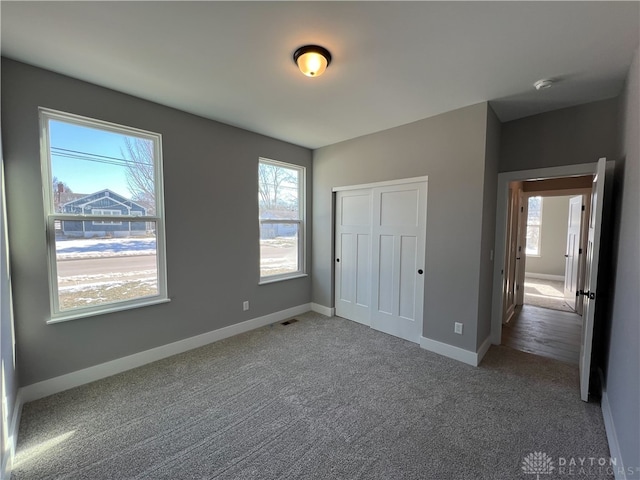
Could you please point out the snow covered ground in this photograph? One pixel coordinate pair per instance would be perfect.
(98, 282)
(67, 249)
(88, 287)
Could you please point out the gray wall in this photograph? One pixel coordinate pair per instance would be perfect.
(489, 199)
(622, 380)
(450, 149)
(210, 180)
(555, 215)
(568, 136)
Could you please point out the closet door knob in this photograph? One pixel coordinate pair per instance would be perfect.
(420, 272)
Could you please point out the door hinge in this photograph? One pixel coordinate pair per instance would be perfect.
(521, 209)
(520, 248)
(583, 208)
(579, 251)
(577, 293)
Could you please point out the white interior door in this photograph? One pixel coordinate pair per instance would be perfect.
(509, 286)
(591, 278)
(572, 255)
(353, 255)
(398, 245)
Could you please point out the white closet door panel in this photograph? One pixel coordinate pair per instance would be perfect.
(353, 255)
(348, 267)
(385, 284)
(408, 283)
(356, 210)
(399, 208)
(363, 271)
(398, 245)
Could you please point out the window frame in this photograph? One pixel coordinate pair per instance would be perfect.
(51, 217)
(301, 222)
(538, 226)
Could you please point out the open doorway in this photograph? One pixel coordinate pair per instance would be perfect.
(509, 269)
(548, 247)
(546, 233)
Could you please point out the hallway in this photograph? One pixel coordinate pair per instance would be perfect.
(545, 332)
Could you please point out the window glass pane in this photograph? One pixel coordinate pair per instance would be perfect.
(85, 161)
(533, 240)
(109, 268)
(278, 192)
(535, 211)
(278, 248)
(534, 222)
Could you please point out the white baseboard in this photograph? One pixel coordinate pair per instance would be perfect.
(457, 353)
(544, 276)
(97, 372)
(326, 311)
(484, 348)
(612, 438)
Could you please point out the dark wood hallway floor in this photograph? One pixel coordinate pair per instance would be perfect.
(545, 332)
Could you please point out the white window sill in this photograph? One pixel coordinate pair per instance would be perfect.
(267, 280)
(107, 309)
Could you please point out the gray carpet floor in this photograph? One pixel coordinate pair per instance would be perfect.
(322, 398)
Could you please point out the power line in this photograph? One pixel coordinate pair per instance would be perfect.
(94, 157)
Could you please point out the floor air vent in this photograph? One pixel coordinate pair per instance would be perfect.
(288, 322)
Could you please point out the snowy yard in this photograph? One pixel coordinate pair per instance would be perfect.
(98, 271)
(78, 248)
(278, 255)
(105, 292)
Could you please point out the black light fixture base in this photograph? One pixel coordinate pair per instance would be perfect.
(312, 48)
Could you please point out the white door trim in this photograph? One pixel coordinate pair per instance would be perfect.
(386, 183)
(501, 219)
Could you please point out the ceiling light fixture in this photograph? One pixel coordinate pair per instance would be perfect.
(543, 84)
(312, 60)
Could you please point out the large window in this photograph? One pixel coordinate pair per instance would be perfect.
(281, 209)
(97, 177)
(534, 224)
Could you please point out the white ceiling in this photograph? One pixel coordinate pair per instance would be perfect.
(393, 62)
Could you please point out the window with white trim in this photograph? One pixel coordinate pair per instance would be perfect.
(534, 226)
(98, 177)
(281, 201)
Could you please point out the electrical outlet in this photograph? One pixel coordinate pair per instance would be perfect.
(245, 305)
(458, 328)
